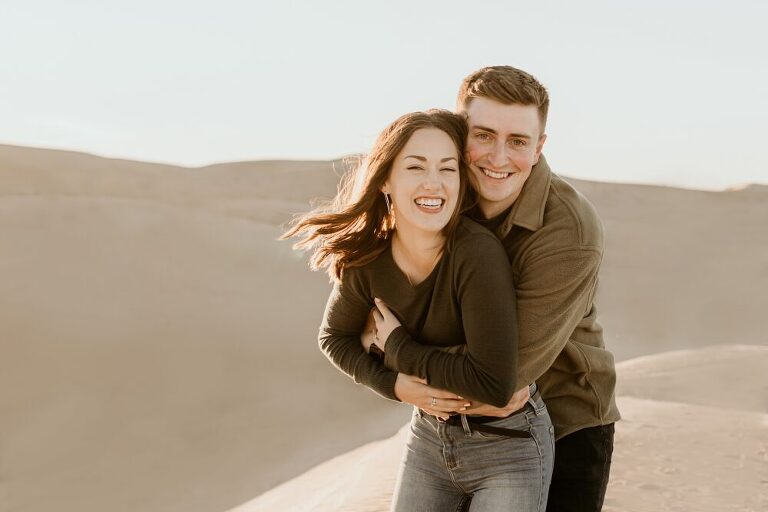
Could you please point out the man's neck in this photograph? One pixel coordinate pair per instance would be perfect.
(491, 209)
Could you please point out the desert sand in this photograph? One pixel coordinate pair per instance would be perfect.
(671, 452)
(158, 344)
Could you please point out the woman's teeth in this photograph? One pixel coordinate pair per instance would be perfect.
(430, 203)
(496, 175)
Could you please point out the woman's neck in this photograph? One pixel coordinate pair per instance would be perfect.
(416, 253)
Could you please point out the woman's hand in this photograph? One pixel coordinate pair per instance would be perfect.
(415, 391)
(386, 322)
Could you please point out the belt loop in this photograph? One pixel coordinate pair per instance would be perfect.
(465, 426)
(532, 389)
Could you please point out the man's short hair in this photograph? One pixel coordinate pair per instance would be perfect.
(507, 85)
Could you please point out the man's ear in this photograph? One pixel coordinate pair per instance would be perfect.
(540, 146)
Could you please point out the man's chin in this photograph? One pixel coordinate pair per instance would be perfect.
(498, 199)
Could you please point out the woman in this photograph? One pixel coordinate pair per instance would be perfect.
(394, 241)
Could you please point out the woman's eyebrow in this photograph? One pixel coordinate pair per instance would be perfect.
(424, 159)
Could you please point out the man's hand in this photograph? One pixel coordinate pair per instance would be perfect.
(368, 336)
(517, 401)
(386, 322)
(415, 391)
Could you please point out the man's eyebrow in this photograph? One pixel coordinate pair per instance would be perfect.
(483, 128)
(491, 130)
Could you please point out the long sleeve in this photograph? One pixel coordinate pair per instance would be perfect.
(484, 292)
(339, 338)
(554, 295)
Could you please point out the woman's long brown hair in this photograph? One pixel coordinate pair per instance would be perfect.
(354, 228)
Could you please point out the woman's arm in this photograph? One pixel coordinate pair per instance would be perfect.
(345, 315)
(485, 294)
(339, 338)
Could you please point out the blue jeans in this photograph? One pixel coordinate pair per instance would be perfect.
(446, 465)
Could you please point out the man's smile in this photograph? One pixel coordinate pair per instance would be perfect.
(497, 175)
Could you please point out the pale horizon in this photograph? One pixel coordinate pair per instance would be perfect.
(660, 93)
(563, 173)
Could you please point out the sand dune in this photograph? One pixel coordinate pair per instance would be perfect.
(153, 352)
(733, 377)
(669, 455)
(158, 344)
(262, 191)
(682, 268)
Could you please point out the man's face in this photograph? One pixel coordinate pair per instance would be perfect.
(503, 145)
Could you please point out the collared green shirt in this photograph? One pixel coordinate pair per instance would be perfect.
(554, 241)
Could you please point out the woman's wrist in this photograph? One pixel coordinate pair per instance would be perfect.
(376, 352)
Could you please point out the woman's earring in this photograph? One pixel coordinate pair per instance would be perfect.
(389, 203)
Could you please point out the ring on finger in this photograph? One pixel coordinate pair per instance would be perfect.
(433, 402)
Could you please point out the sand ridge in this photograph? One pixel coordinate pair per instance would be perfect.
(159, 344)
(669, 455)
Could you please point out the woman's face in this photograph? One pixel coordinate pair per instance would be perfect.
(424, 182)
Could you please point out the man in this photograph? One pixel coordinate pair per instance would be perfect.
(554, 240)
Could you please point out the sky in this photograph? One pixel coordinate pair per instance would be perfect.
(662, 92)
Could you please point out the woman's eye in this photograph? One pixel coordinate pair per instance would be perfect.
(449, 169)
(415, 168)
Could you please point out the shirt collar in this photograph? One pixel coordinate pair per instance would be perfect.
(528, 210)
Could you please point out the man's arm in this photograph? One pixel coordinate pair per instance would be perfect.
(554, 294)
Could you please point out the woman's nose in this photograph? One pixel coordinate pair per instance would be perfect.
(432, 181)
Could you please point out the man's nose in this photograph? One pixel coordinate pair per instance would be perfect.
(498, 156)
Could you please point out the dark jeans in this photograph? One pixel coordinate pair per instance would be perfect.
(582, 464)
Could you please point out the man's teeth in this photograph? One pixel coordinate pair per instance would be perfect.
(430, 203)
(497, 175)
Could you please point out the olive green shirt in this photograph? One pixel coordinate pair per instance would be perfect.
(554, 241)
(466, 301)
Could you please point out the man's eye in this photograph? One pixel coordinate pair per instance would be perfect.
(483, 137)
(518, 143)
